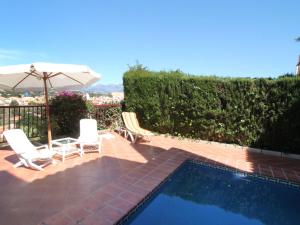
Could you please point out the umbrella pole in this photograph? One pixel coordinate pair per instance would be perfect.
(47, 110)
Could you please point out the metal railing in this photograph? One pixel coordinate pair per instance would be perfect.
(31, 119)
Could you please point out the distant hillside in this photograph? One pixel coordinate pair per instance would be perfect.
(105, 88)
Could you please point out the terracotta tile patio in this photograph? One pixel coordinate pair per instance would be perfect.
(101, 189)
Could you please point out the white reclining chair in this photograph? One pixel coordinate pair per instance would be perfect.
(26, 151)
(89, 135)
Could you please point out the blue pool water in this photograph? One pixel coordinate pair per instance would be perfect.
(200, 194)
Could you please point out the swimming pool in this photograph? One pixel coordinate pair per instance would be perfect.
(198, 193)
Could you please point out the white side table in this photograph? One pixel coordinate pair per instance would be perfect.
(65, 147)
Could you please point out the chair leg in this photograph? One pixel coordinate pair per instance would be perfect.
(135, 139)
(99, 148)
(80, 152)
(131, 137)
(18, 164)
(35, 166)
(32, 165)
(100, 145)
(81, 149)
(63, 156)
(50, 161)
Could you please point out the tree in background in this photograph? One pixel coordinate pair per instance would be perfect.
(14, 103)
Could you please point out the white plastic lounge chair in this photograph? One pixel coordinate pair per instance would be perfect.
(26, 151)
(133, 127)
(89, 134)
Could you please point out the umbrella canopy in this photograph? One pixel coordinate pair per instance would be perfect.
(41, 76)
(30, 76)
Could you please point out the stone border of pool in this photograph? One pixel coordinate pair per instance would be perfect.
(240, 147)
(110, 203)
(238, 171)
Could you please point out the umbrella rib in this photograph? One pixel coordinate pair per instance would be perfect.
(50, 82)
(33, 74)
(60, 73)
(73, 79)
(54, 75)
(21, 81)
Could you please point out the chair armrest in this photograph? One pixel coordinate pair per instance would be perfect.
(42, 147)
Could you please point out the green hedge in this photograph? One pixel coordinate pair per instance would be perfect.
(263, 113)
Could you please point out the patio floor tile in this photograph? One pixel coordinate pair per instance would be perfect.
(131, 197)
(77, 214)
(121, 204)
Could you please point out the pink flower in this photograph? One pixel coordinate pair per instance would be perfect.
(66, 94)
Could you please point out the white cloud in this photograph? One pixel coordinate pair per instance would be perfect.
(9, 54)
(12, 55)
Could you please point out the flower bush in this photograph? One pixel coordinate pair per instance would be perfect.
(66, 110)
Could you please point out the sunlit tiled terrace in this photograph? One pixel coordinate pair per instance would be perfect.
(101, 189)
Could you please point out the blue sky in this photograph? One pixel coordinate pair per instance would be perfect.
(214, 37)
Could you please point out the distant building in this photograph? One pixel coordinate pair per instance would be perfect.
(298, 67)
(2, 101)
(87, 96)
(117, 96)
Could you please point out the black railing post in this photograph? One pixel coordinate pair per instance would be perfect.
(24, 116)
(32, 120)
(19, 117)
(3, 121)
(9, 118)
(14, 111)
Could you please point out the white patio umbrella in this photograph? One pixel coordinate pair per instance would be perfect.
(41, 76)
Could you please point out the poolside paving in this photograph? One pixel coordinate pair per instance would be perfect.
(101, 189)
